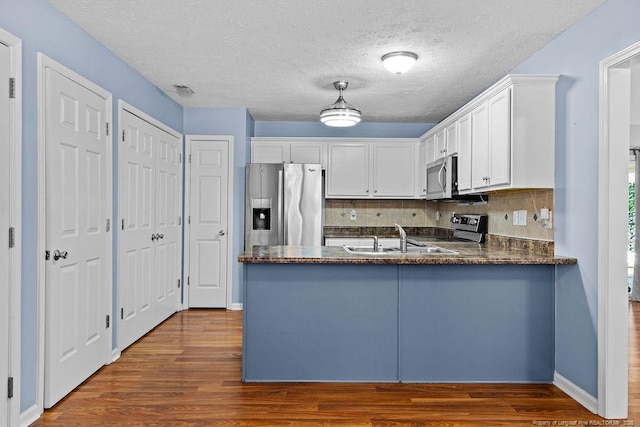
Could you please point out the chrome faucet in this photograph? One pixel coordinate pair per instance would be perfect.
(403, 239)
(375, 243)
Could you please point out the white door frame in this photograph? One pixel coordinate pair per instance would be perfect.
(613, 320)
(187, 214)
(15, 218)
(45, 62)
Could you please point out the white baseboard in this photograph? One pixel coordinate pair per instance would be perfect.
(578, 394)
(235, 306)
(30, 416)
(115, 354)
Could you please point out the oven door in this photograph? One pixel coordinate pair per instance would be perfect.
(439, 179)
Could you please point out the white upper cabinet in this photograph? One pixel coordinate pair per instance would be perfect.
(348, 170)
(277, 150)
(421, 176)
(464, 152)
(270, 152)
(376, 169)
(440, 144)
(393, 169)
(430, 149)
(505, 137)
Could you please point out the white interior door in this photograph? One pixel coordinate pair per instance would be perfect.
(208, 236)
(5, 199)
(150, 241)
(168, 191)
(77, 208)
(136, 229)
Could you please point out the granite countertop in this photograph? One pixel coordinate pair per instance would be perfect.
(468, 253)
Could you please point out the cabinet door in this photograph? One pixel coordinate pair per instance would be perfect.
(451, 137)
(430, 144)
(441, 144)
(480, 146)
(348, 170)
(421, 176)
(394, 169)
(311, 152)
(464, 152)
(500, 138)
(270, 152)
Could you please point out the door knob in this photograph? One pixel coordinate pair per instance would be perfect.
(57, 254)
(153, 237)
(221, 233)
(159, 236)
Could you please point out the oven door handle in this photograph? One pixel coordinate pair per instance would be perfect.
(443, 168)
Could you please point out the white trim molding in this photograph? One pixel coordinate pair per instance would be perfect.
(15, 219)
(236, 306)
(575, 392)
(30, 415)
(613, 335)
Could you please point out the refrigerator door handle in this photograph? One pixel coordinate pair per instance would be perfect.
(282, 213)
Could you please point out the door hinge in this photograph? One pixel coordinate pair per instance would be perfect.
(189, 158)
(108, 224)
(12, 237)
(123, 223)
(188, 280)
(122, 135)
(122, 313)
(47, 255)
(107, 125)
(12, 87)
(108, 321)
(179, 158)
(189, 219)
(179, 220)
(178, 283)
(10, 388)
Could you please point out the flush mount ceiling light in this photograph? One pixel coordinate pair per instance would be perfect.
(340, 113)
(399, 62)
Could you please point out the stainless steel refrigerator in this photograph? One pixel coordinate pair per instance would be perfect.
(284, 204)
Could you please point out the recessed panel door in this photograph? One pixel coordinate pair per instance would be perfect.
(5, 277)
(208, 234)
(168, 242)
(136, 236)
(77, 207)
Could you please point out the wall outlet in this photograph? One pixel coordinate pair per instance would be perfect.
(352, 215)
(522, 217)
(548, 223)
(516, 218)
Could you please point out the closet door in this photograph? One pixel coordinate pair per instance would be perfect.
(168, 201)
(149, 247)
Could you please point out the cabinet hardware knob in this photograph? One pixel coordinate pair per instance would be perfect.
(221, 233)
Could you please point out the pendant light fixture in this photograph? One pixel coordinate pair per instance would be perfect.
(340, 113)
(399, 62)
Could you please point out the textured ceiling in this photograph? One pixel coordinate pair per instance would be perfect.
(278, 58)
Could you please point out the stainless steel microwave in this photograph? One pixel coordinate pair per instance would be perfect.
(442, 178)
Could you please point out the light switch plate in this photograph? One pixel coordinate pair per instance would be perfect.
(353, 216)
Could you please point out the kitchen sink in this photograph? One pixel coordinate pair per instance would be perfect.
(411, 250)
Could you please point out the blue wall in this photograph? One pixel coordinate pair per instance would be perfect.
(576, 55)
(43, 29)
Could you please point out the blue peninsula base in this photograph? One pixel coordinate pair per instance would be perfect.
(389, 323)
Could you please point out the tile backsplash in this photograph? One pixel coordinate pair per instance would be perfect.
(421, 213)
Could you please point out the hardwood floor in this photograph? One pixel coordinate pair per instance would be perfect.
(186, 372)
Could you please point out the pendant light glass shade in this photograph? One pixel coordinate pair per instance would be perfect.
(399, 62)
(340, 113)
